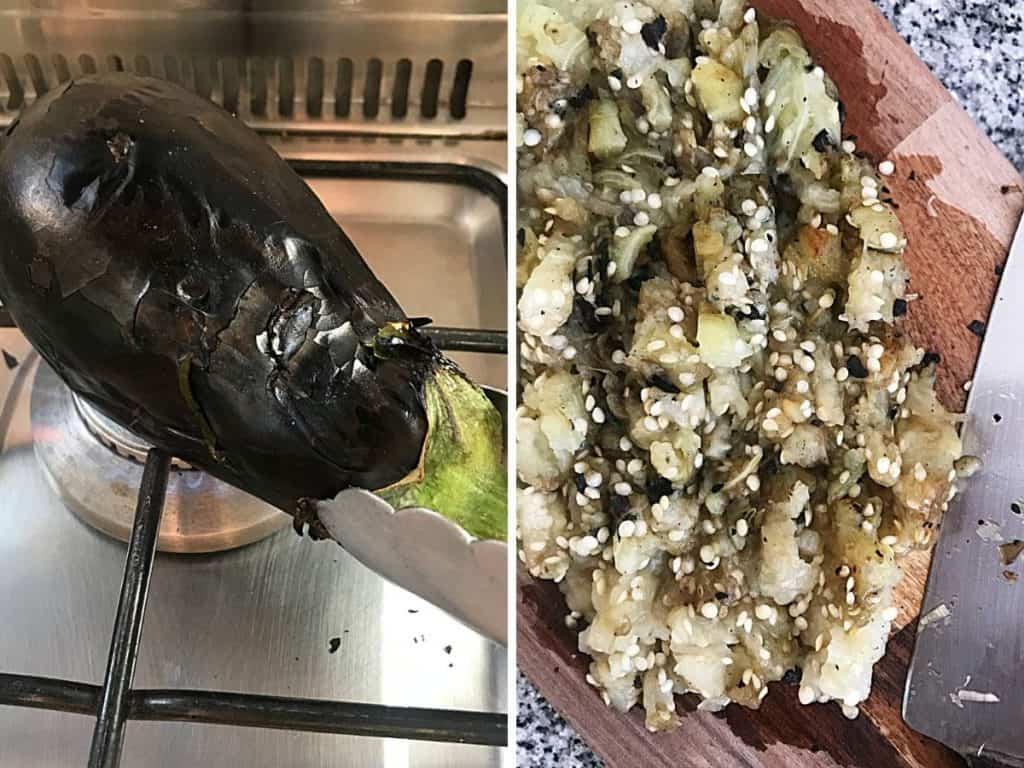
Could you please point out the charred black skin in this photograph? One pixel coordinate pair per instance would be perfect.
(148, 239)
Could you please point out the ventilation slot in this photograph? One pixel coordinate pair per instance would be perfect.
(35, 74)
(171, 71)
(187, 79)
(15, 93)
(87, 64)
(285, 87)
(142, 66)
(232, 84)
(371, 88)
(343, 89)
(460, 88)
(258, 85)
(400, 89)
(431, 88)
(315, 87)
(206, 76)
(114, 63)
(61, 68)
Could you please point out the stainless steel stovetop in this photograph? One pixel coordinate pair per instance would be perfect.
(284, 616)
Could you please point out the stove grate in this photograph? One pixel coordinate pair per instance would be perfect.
(116, 702)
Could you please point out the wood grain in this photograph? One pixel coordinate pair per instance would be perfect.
(960, 201)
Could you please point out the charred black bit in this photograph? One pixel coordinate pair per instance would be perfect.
(1016, 508)
(823, 141)
(581, 482)
(601, 257)
(654, 251)
(856, 367)
(333, 644)
(899, 307)
(581, 97)
(977, 327)
(721, 595)
(586, 314)
(521, 236)
(996, 417)
(793, 676)
(10, 360)
(931, 358)
(448, 649)
(653, 31)
(641, 274)
(663, 383)
(619, 507)
(657, 488)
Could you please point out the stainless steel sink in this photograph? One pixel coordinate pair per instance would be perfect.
(261, 619)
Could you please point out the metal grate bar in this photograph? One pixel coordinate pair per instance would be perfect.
(115, 703)
(311, 715)
(108, 737)
(468, 339)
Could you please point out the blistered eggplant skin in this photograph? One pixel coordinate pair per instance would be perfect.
(182, 277)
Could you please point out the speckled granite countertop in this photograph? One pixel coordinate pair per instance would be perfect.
(976, 47)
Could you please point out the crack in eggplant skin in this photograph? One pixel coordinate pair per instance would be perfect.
(148, 231)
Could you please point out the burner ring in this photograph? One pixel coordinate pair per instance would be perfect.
(95, 466)
(121, 441)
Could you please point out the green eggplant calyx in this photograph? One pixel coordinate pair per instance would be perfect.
(397, 338)
(462, 472)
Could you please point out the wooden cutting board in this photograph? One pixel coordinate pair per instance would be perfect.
(960, 201)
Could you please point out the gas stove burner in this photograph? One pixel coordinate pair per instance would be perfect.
(95, 465)
(121, 441)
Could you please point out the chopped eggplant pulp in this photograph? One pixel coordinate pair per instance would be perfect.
(179, 275)
(725, 444)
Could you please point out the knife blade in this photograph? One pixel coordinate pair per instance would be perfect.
(965, 685)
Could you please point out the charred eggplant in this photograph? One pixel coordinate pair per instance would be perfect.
(177, 273)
